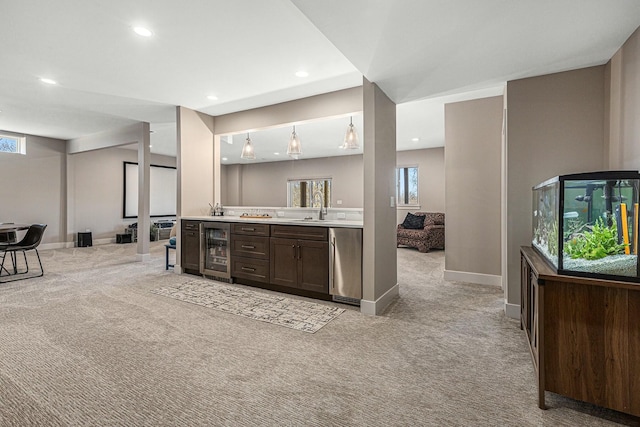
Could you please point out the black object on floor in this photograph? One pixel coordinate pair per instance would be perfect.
(84, 239)
(123, 238)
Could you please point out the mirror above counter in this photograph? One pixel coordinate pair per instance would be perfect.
(318, 138)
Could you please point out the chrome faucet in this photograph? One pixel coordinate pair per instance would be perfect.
(322, 214)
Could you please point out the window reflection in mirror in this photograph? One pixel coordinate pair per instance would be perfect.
(309, 193)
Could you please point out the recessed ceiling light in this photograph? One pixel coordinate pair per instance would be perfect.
(48, 81)
(415, 139)
(224, 159)
(212, 97)
(276, 154)
(142, 31)
(302, 74)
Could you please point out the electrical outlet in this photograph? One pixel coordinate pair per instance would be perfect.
(341, 215)
(280, 213)
(338, 202)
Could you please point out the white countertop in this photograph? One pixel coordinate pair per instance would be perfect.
(280, 221)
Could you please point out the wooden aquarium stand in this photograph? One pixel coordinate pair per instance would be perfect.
(584, 335)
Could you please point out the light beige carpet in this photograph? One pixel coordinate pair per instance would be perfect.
(89, 344)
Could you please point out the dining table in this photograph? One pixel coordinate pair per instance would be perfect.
(8, 235)
(9, 229)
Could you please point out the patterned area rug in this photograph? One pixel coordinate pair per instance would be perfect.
(296, 314)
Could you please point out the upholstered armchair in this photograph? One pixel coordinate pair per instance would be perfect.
(430, 236)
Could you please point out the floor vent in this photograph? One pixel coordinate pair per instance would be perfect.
(346, 300)
(218, 279)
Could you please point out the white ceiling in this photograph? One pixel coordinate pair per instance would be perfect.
(246, 52)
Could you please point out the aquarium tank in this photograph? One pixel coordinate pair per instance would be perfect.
(586, 224)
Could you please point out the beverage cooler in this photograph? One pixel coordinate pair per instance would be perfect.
(215, 251)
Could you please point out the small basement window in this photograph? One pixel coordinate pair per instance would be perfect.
(407, 186)
(12, 144)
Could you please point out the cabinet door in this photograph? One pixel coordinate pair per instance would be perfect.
(190, 247)
(313, 266)
(284, 262)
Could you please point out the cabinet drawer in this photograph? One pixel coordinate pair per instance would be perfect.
(300, 232)
(190, 225)
(252, 269)
(250, 246)
(251, 229)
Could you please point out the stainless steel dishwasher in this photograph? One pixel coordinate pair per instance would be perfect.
(345, 264)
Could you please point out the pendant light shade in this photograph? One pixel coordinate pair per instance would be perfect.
(351, 138)
(247, 150)
(294, 149)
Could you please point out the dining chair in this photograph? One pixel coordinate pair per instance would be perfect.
(30, 241)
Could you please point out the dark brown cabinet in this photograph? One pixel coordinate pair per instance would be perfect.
(298, 262)
(190, 258)
(583, 335)
(250, 252)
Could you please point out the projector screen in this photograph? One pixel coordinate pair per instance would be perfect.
(163, 190)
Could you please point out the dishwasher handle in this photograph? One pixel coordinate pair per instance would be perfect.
(332, 263)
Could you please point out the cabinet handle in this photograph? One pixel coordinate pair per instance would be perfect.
(247, 247)
(295, 254)
(248, 269)
(248, 229)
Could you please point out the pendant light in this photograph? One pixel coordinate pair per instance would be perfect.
(247, 150)
(294, 149)
(351, 138)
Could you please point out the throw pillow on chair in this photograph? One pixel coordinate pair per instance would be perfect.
(413, 222)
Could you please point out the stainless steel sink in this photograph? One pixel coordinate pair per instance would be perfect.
(309, 220)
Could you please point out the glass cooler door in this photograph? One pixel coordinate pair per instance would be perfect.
(215, 252)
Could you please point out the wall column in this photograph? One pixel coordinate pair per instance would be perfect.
(144, 222)
(195, 159)
(379, 264)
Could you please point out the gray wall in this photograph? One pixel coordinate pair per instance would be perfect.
(265, 184)
(195, 161)
(623, 88)
(98, 189)
(555, 127)
(431, 180)
(473, 132)
(33, 186)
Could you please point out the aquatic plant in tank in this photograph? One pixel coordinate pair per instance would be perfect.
(587, 224)
(596, 242)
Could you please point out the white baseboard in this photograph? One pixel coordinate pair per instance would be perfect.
(105, 241)
(66, 245)
(143, 257)
(60, 245)
(476, 278)
(374, 308)
(511, 310)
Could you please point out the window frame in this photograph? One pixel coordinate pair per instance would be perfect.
(290, 181)
(21, 143)
(400, 202)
